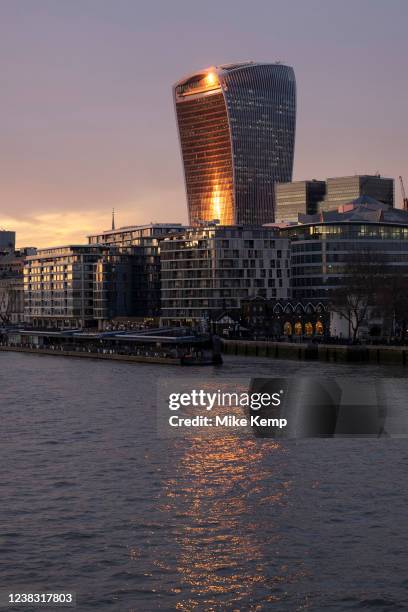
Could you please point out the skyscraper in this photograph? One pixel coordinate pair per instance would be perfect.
(237, 132)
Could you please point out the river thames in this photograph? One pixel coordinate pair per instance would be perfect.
(95, 502)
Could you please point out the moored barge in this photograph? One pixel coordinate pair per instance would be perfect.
(162, 346)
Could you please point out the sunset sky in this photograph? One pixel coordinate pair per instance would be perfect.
(87, 120)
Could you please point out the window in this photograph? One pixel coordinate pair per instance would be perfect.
(308, 329)
(319, 328)
(287, 329)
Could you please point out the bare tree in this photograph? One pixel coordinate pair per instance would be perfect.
(392, 299)
(362, 277)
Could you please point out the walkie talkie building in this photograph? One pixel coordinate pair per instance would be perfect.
(237, 133)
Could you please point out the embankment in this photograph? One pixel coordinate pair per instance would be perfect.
(393, 355)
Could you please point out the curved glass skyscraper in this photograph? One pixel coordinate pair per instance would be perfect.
(237, 133)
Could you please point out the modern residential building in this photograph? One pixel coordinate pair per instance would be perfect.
(59, 287)
(117, 274)
(77, 286)
(236, 127)
(297, 197)
(321, 244)
(210, 269)
(142, 242)
(115, 289)
(147, 235)
(344, 189)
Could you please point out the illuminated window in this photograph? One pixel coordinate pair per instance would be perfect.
(319, 328)
(298, 328)
(308, 329)
(287, 329)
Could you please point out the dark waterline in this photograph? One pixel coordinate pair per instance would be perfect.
(94, 502)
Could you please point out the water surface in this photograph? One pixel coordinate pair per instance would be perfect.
(93, 501)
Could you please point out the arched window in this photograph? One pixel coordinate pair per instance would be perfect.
(319, 328)
(287, 329)
(308, 329)
(298, 328)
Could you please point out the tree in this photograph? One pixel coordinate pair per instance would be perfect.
(363, 275)
(392, 299)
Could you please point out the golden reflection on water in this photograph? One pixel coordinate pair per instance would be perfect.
(217, 498)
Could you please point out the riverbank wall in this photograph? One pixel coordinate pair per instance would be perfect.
(335, 353)
(89, 355)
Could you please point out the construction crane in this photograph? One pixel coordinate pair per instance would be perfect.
(404, 196)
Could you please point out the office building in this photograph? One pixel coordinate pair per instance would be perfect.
(210, 269)
(142, 242)
(7, 242)
(310, 197)
(345, 189)
(322, 244)
(297, 197)
(236, 126)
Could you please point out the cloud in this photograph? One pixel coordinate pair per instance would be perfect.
(60, 227)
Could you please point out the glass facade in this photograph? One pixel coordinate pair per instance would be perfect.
(345, 189)
(205, 142)
(321, 252)
(299, 197)
(237, 131)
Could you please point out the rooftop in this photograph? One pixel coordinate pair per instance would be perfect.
(131, 228)
(361, 210)
(218, 70)
(63, 249)
(361, 176)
